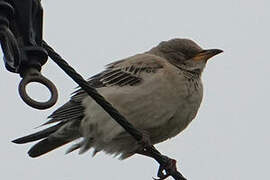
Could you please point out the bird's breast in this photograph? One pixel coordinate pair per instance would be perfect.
(188, 96)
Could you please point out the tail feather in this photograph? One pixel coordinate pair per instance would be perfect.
(74, 147)
(46, 146)
(38, 135)
(52, 137)
(68, 118)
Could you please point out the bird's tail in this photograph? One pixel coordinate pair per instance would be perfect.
(52, 138)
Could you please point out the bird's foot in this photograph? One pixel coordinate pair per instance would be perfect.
(167, 169)
(167, 165)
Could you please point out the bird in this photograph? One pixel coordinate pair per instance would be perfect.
(158, 91)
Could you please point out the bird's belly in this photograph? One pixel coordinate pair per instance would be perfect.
(184, 114)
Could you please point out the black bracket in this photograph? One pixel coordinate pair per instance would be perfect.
(21, 25)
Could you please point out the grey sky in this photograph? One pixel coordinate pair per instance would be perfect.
(229, 139)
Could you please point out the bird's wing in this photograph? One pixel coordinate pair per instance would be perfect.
(126, 72)
(123, 73)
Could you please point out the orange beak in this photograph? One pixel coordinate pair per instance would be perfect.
(206, 54)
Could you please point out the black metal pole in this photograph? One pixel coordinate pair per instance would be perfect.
(21, 28)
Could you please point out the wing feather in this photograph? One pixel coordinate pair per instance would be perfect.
(119, 74)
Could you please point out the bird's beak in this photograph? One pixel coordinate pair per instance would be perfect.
(206, 54)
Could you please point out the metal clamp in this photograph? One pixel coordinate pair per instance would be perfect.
(33, 75)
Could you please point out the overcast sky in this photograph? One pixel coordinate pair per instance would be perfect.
(229, 139)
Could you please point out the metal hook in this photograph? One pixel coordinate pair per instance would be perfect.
(33, 75)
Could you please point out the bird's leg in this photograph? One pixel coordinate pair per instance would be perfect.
(168, 166)
(144, 142)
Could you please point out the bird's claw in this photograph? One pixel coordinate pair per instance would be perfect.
(167, 165)
(161, 176)
(170, 166)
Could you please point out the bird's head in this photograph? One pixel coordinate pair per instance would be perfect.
(185, 54)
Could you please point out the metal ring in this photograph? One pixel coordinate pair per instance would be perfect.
(40, 79)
